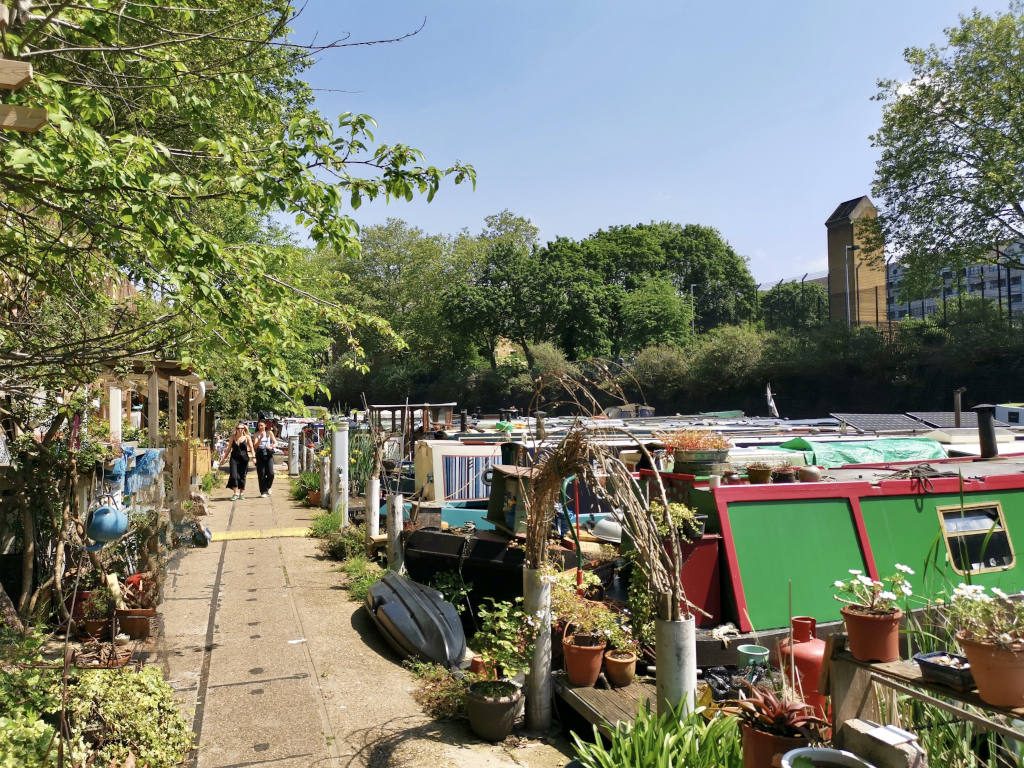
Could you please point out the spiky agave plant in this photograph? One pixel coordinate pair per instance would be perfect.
(765, 710)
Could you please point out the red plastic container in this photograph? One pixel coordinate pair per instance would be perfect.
(700, 578)
(806, 653)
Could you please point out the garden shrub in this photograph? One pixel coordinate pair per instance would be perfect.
(347, 543)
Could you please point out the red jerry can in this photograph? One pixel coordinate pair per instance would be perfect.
(807, 652)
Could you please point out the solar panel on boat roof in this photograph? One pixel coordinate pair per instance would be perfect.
(880, 422)
(946, 419)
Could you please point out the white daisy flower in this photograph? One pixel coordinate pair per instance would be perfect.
(999, 593)
(855, 572)
(905, 589)
(867, 582)
(904, 568)
(886, 596)
(839, 584)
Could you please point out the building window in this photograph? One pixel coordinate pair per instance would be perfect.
(976, 537)
(1013, 417)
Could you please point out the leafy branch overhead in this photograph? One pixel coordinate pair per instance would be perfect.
(136, 220)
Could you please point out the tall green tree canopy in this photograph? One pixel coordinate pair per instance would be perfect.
(794, 305)
(951, 171)
(168, 126)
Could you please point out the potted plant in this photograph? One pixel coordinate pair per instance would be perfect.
(688, 523)
(505, 643)
(695, 445)
(990, 629)
(620, 661)
(759, 473)
(773, 724)
(587, 626)
(872, 615)
(97, 611)
(785, 474)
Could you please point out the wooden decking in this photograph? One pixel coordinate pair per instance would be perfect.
(604, 707)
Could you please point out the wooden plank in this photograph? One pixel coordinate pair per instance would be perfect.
(604, 707)
(14, 74)
(21, 119)
(908, 672)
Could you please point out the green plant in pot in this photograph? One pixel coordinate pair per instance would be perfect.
(759, 473)
(587, 627)
(620, 660)
(872, 613)
(990, 629)
(681, 518)
(97, 611)
(773, 723)
(505, 642)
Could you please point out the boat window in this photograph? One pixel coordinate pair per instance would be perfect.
(976, 537)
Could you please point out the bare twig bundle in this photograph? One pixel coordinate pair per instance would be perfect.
(567, 458)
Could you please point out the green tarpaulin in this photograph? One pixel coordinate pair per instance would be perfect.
(878, 451)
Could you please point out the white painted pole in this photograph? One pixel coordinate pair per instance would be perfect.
(339, 471)
(537, 604)
(396, 557)
(373, 507)
(114, 411)
(293, 455)
(325, 482)
(676, 679)
(153, 409)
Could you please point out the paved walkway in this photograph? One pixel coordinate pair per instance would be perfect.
(278, 668)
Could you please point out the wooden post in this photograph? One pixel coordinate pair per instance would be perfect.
(396, 557)
(339, 471)
(852, 691)
(293, 455)
(114, 409)
(172, 410)
(325, 482)
(373, 506)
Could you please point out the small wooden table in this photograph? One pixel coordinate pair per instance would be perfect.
(604, 707)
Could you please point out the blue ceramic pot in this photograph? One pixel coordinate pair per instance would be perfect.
(107, 523)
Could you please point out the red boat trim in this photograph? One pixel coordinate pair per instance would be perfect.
(862, 537)
(732, 561)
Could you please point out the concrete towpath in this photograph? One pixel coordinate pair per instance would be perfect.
(277, 668)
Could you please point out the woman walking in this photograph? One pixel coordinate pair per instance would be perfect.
(240, 449)
(265, 444)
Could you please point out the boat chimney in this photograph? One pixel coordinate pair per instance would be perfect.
(957, 393)
(986, 430)
(463, 420)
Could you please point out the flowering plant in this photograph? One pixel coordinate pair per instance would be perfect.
(997, 618)
(870, 596)
(506, 637)
(694, 440)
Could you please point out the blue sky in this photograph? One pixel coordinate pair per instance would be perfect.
(752, 117)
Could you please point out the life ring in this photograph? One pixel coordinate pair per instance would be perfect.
(488, 476)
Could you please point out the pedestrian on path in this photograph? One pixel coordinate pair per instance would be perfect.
(240, 449)
(265, 445)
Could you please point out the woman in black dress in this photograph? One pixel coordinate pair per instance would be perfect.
(241, 450)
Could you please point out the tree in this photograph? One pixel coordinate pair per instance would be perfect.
(167, 125)
(794, 305)
(951, 171)
(655, 314)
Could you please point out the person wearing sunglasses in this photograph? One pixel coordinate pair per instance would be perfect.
(265, 443)
(241, 449)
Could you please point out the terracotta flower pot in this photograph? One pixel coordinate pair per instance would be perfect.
(582, 662)
(759, 476)
(761, 747)
(492, 716)
(873, 636)
(313, 497)
(134, 622)
(98, 628)
(619, 668)
(998, 672)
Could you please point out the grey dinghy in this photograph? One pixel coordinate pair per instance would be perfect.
(416, 620)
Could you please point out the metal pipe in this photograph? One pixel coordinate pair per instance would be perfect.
(987, 430)
(957, 393)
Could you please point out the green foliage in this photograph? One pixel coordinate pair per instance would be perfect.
(324, 524)
(360, 451)
(641, 607)
(454, 589)
(669, 741)
(362, 575)
(303, 484)
(655, 314)
(135, 712)
(789, 306)
(100, 604)
(210, 481)
(506, 637)
(438, 691)
(345, 544)
(949, 170)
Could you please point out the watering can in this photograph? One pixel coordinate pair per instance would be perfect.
(107, 523)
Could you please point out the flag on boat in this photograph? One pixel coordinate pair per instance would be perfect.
(772, 410)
